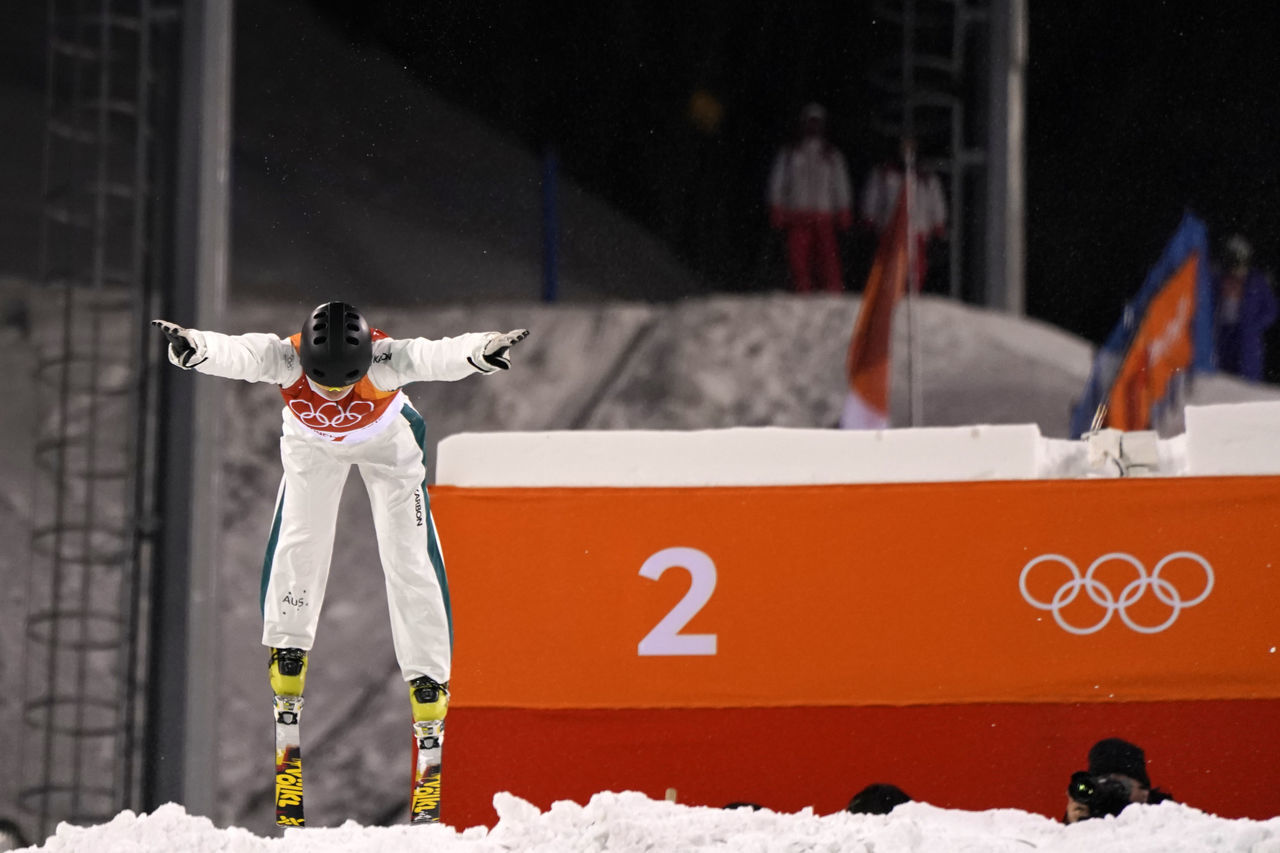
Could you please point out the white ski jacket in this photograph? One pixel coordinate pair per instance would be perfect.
(810, 178)
(373, 403)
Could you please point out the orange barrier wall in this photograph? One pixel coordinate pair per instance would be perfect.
(1048, 609)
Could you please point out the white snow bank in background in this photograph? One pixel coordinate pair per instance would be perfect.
(632, 822)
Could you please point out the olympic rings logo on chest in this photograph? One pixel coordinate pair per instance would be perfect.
(331, 414)
(1110, 603)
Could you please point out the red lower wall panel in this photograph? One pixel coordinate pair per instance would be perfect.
(1219, 756)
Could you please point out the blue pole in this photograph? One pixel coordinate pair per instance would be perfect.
(550, 225)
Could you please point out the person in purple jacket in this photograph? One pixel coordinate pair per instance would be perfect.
(1244, 308)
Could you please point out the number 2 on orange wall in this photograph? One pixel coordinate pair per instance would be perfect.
(665, 638)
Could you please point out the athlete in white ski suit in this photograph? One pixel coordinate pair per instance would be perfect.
(372, 425)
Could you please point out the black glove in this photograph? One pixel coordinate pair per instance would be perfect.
(496, 352)
(183, 346)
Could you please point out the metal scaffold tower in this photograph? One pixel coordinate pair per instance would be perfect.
(953, 83)
(923, 85)
(85, 637)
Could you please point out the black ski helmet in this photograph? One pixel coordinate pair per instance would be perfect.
(336, 347)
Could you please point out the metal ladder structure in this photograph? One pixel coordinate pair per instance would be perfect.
(924, 85)
(85, 632)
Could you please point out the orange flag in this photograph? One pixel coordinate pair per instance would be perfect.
(867, 405)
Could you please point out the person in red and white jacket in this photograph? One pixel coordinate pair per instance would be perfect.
(809, 199)
(343, 405)
(928, 205)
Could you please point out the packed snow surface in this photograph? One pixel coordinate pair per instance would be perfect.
(631, 821)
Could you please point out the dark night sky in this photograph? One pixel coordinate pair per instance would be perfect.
(1131, 119)
(1136, 111)
(608, 85)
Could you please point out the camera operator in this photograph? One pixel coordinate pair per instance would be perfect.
(1117, 776)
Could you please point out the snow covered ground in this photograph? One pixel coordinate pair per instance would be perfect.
(632, 822)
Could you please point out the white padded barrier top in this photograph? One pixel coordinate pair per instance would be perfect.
(1228, 439)
(742, 456)
(1233, 438)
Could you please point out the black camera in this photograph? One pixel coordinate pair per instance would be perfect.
(1101, 795)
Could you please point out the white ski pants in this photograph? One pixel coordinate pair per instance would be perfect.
(296, 567)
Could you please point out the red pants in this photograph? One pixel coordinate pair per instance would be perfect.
(812, 236)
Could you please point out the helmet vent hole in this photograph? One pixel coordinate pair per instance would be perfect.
(353, 327)
(351, 339)
(352, 374)
(319, 339)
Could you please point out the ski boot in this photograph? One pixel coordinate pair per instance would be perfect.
(430, 701)
(288, 670)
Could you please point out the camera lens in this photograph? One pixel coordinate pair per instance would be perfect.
(1080, 788)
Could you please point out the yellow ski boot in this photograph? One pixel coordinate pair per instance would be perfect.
(288, 670)
(430, 699)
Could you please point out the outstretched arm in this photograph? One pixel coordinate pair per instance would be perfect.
(397, 362)
(253, 357)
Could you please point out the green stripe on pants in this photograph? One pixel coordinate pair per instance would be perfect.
(271, 553)
(419, 427)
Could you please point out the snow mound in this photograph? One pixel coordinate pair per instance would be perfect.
(631, 821)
